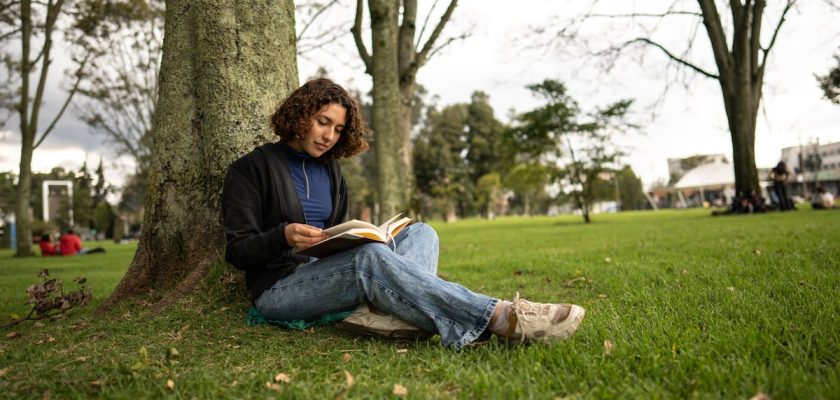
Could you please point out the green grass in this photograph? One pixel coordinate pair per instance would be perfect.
(695, 306)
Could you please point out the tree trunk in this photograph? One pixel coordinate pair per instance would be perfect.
(226, 66)
(387, 108)
(393, 64)
(741, 77)
(23, 221)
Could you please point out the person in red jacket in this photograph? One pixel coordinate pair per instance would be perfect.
(47, 247)
(70, 243)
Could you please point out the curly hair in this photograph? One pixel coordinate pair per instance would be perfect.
(295, 116)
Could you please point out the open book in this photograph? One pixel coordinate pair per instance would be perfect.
(353, 233)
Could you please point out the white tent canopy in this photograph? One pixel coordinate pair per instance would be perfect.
(716, 175)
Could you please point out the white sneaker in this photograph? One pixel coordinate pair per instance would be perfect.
(543, 322)
(366, 321)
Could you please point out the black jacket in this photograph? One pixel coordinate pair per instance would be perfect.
(258, 201)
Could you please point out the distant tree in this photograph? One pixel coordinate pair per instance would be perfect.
(556, 131)
(30, 27)
(395, 57)
(488, 190)
(739, 45)
(528, 182)
(830, 82)
(631, 195)
(103, 219)
(7, 193)
(489, 149)
(119, 89)
(83, 198)
(439, 166)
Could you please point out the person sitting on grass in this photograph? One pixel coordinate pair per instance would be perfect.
(822, 199)
(70, 244)
(47, 246)
(278, 199)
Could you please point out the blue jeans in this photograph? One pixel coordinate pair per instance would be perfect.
(401, 282)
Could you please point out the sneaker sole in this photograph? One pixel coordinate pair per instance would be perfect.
(399, 334)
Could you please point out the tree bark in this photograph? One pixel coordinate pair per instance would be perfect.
(394, 73)
(226, 66)
(741, 77)
(387, 108)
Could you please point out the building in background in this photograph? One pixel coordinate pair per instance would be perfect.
(813, 165)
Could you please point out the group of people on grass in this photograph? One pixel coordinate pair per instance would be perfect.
(752, 202)
(69, 244)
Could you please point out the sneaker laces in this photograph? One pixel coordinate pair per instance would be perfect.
(527, 311)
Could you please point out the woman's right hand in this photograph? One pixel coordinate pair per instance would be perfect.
(301, 236)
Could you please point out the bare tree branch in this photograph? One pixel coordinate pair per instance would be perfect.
(766, 51)
(314, 18)
(52, 16)
(357, 35)
(717, 38)
(425, 24)
(448, 42)
(72, 92)
(9, 34)
(423, 55)
(645, 15)
(670, 55)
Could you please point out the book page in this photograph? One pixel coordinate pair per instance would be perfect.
(353, 224)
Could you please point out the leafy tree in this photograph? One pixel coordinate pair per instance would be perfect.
(631, 195)
(247, 48)
(489, 149)
(528, 181)
(82, 198)
(103, 218)
(830, 82)
(7, 193)
(393, 64)
(439, 165)
(556, 131)
(487, 194)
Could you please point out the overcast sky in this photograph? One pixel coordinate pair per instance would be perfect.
(496, 59)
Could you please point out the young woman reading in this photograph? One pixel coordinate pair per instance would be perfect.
(279, 198)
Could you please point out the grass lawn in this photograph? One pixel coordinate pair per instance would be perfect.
(694, 306)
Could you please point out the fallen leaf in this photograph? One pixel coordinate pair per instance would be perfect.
(14, 316)
(347, 357)
(50, 339)
(81, 359)
(4, 371)
(272, 386)
(400, 390)
(349, 379)
(758, 253)
(13, 335)
(281, 377)
(674, 351)
(96, 383)
(170, 385)
(39, 324)
(234, 384)
(41, 341)
(731, 289)
(608, 346)
(402, 351)
(602, 296)
(760, 396)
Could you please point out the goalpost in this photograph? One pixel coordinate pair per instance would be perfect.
(45, 194)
